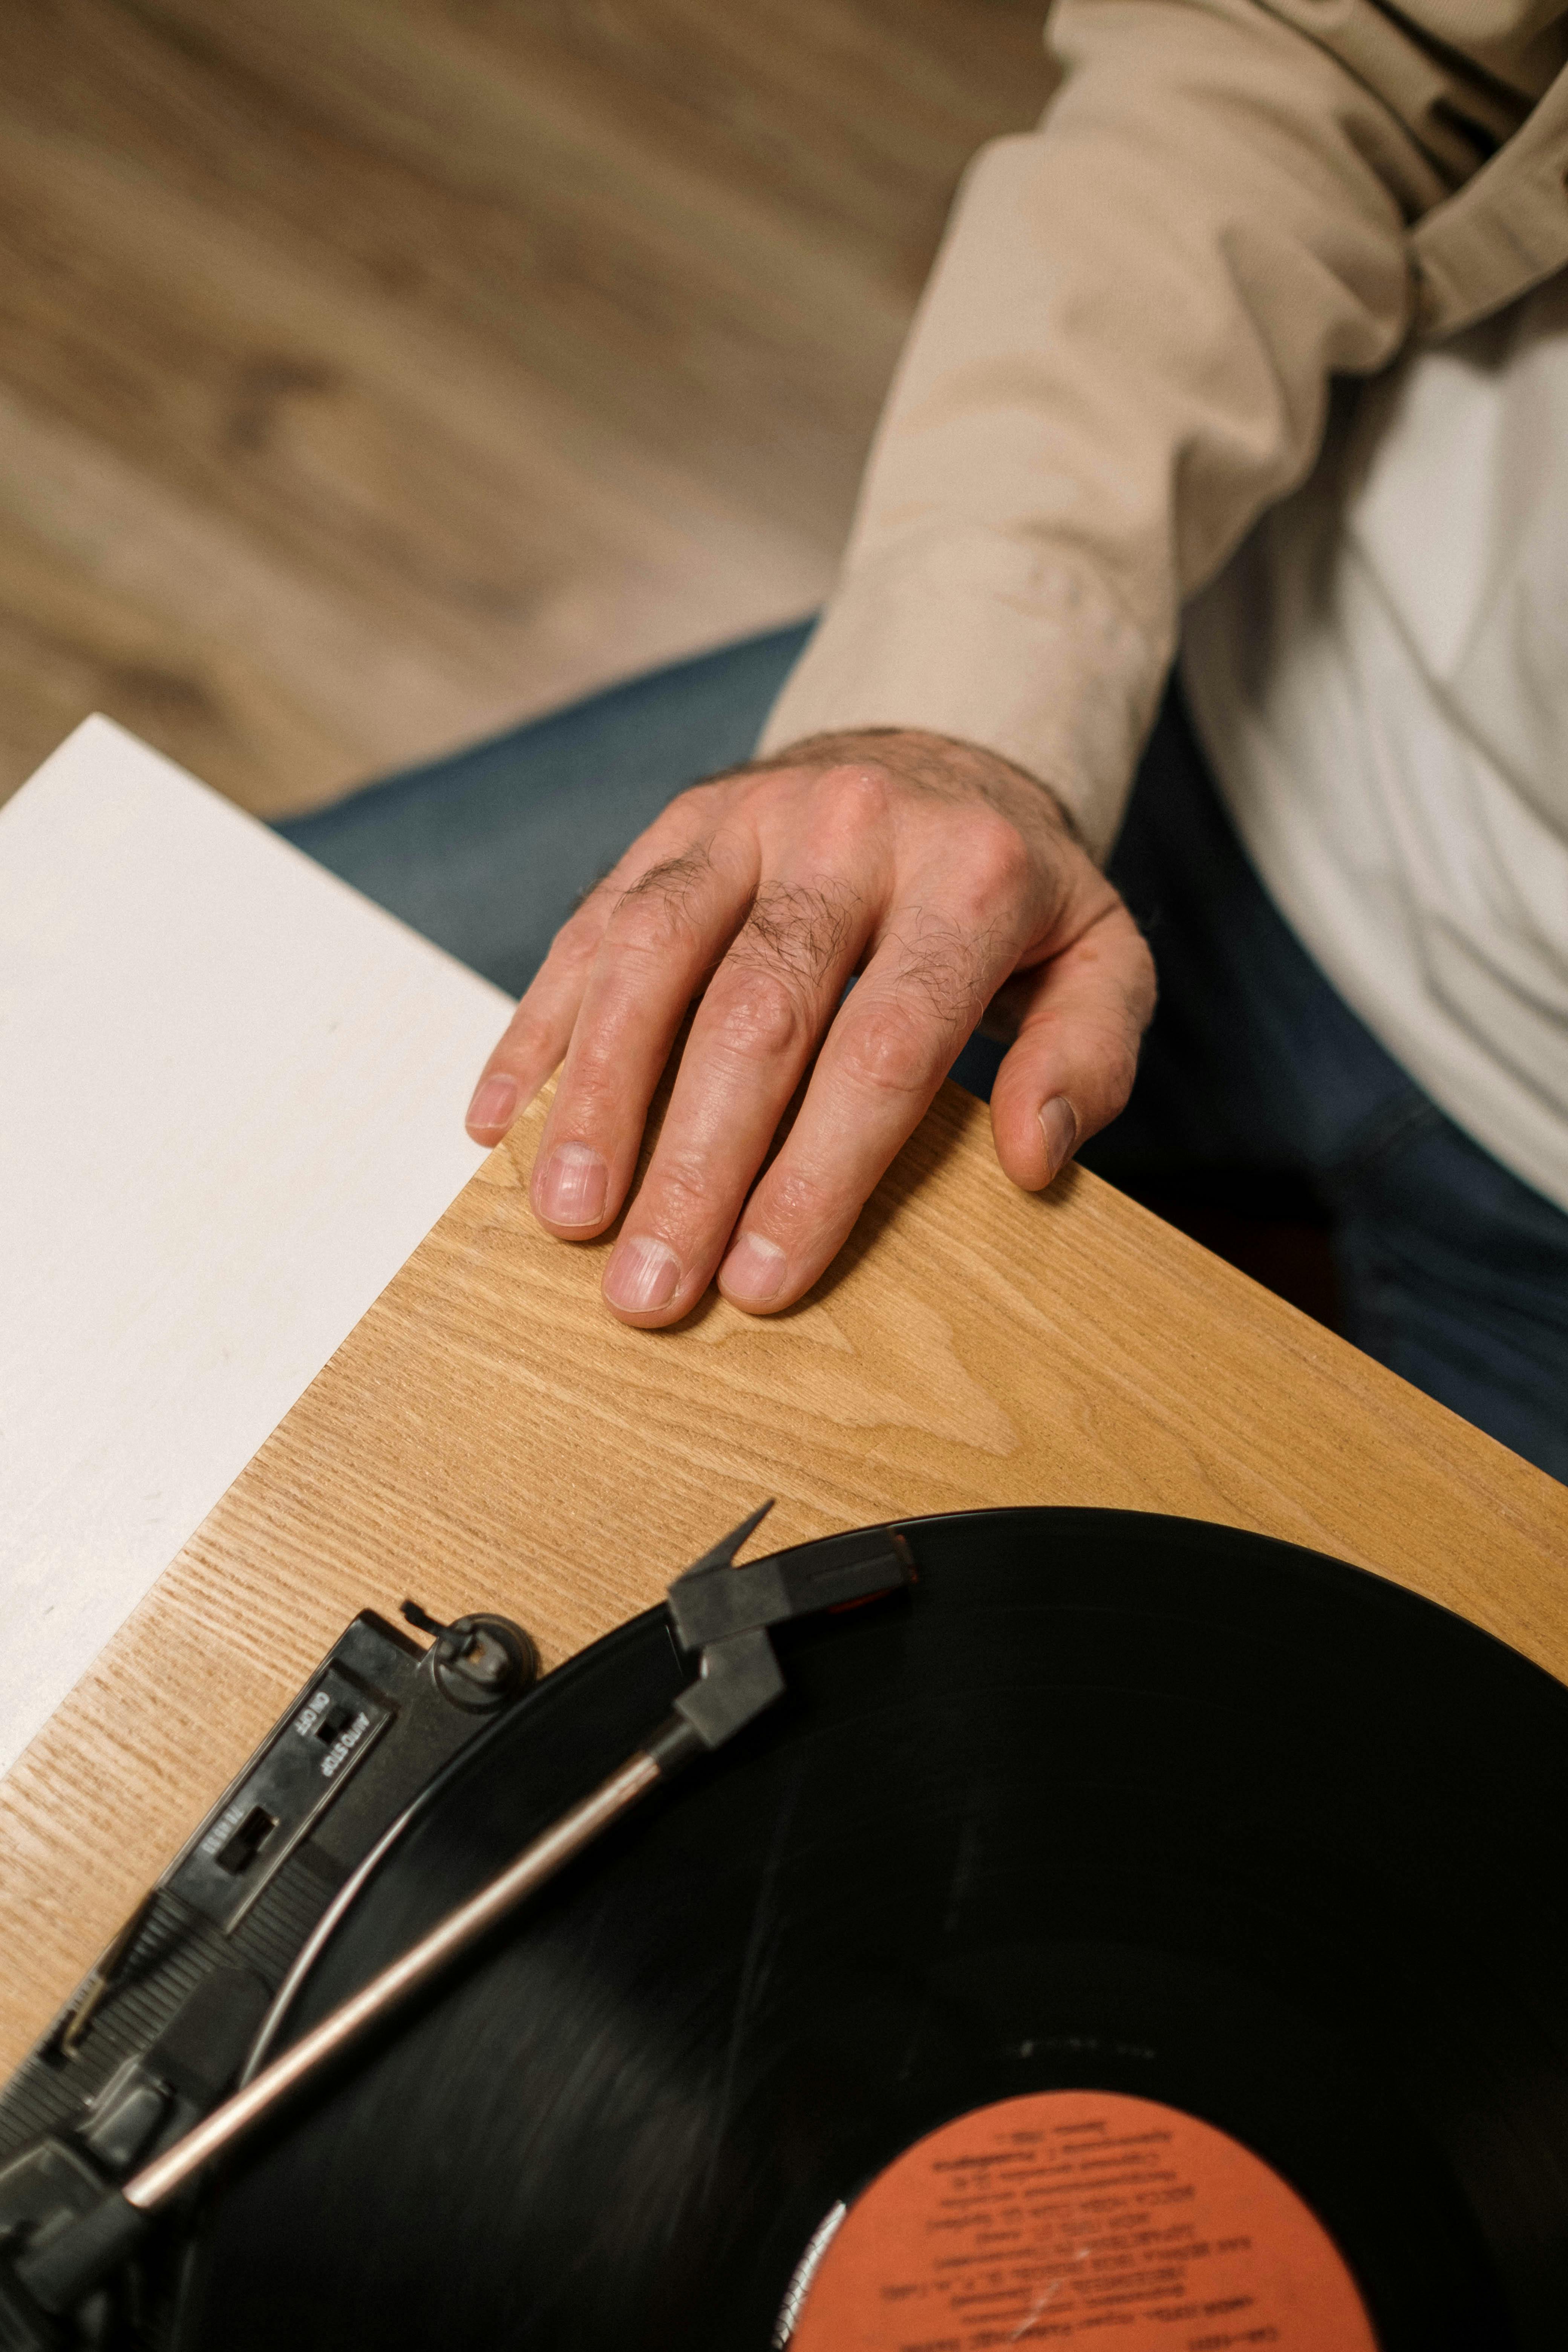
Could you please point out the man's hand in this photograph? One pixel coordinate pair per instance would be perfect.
(936, 871)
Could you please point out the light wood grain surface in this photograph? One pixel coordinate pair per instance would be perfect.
(488, 1437)
(376, 375)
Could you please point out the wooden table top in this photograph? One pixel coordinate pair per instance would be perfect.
(489, 1437)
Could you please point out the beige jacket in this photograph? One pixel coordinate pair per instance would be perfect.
(1124, 353)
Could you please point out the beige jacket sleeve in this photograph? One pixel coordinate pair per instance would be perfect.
(1124, 352)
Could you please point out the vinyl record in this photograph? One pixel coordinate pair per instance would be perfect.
(1140, 1933)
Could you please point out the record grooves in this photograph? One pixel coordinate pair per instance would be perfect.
(1108, 1804)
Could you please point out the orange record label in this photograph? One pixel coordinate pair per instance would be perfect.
(1080, 2218)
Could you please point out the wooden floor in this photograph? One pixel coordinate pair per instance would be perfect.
(374, 372)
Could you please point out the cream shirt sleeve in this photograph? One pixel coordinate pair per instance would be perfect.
(1123, 357)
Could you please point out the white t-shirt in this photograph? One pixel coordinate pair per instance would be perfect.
(1380, 678)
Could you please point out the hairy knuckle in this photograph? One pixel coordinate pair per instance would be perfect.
(650, 926)
(759, 1015)
(801, 928)
(949, 968)
(888, 1050)
(664, 905)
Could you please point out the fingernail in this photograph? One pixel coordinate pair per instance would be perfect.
(571, 1187)
(642, 1273)
(1058, 1125)
(495, 1100)
(753, 1269)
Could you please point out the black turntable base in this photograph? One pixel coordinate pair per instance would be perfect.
(1110, 1817)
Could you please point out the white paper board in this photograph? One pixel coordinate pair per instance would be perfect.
(231, 1099)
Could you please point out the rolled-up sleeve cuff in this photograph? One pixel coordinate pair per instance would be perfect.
(1020, 646)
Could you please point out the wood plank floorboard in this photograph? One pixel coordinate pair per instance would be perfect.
(378, 372)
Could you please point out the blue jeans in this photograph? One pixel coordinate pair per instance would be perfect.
(1451, 1271)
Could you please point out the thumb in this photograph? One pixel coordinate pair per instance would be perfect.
(1071, 1070)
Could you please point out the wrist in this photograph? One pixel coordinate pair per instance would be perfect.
(946, 765)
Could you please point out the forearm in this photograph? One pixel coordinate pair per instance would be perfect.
(1122, 358)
